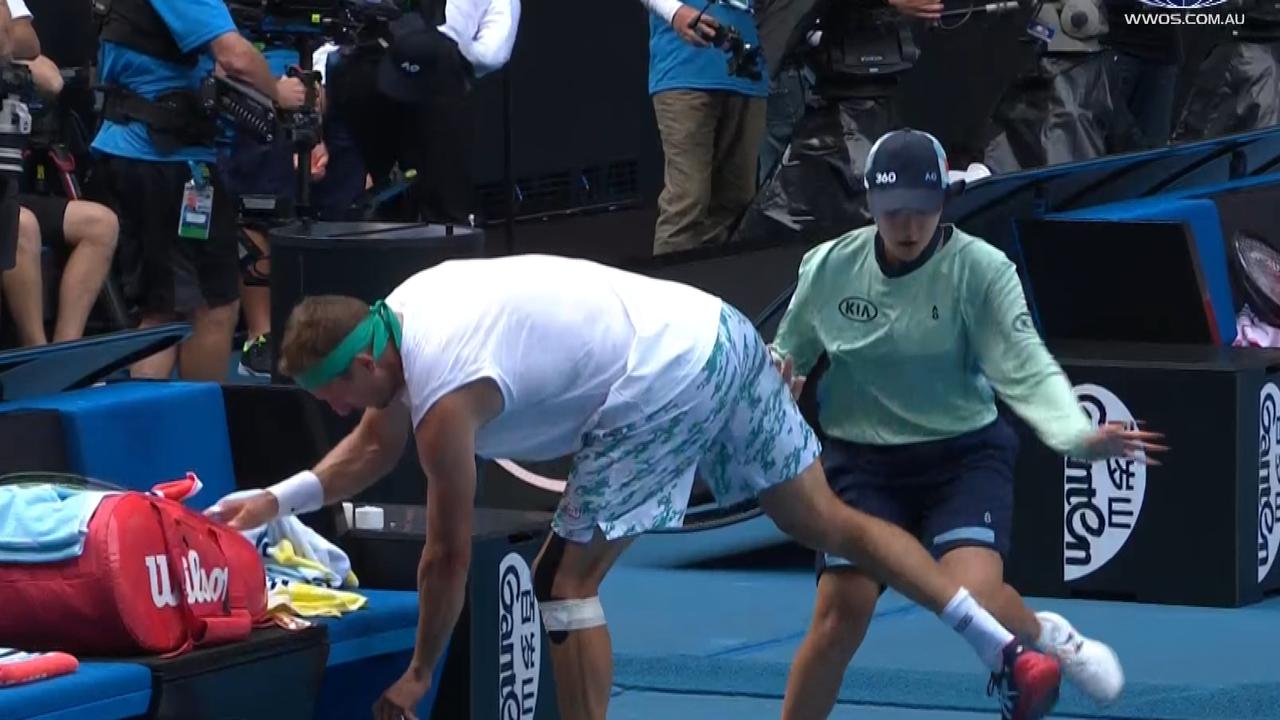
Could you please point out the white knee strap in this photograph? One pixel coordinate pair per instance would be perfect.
(564, 615)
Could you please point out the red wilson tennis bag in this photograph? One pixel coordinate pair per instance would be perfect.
(155, 577)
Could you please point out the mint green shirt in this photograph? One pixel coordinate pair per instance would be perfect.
(920, 356)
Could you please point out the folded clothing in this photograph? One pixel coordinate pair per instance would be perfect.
(45, 523)
(18, 667)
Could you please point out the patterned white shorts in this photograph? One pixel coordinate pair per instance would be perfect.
(736, 426)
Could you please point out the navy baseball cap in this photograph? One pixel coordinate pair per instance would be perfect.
(410, 71)
(906, 170)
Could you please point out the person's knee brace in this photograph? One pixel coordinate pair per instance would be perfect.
(561, 616)
(250, 256)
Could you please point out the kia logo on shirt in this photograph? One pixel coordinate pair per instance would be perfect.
(859, 309)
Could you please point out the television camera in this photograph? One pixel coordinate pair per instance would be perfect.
(304, 25)
(18, 98)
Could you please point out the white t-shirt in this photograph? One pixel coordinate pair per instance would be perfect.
(18, 9)
(573, 345)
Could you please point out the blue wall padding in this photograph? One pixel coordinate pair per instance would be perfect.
(1201, 217)
(138, 434)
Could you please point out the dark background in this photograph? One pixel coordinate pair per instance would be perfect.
(584, 147)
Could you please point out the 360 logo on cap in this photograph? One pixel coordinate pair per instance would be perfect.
(906, 170)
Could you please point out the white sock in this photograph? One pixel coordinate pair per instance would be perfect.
(1048, 636)
(987, 636)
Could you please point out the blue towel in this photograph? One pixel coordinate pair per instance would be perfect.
(44, 523)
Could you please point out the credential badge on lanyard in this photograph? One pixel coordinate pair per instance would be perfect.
(196, 214)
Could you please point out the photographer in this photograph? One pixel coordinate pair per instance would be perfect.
(711, 121)
(82, 233)
(179, 249)
(408, 106)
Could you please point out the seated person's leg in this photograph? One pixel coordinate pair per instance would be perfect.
(85, 233)
(23, 285)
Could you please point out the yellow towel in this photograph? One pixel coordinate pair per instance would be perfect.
(304, 599)
(284, 555)
(311, 601)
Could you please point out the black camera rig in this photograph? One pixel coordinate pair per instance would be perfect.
(303, 25)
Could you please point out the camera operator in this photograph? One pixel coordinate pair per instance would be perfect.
(81, 233)
(1235, 86)
(179, 252)
(408, 106)
(1143, 60)
(251, 167)
(1058, 110)
(710, 119)
(858, 52)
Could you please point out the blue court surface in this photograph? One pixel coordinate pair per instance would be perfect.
(695, 644)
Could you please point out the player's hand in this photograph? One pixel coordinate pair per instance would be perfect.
(698, 34)
(795, 384)
(245, 513)
(923, 9)
(1115, 440)
(399, 700)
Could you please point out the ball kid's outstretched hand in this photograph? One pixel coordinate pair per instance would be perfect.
(1115, 440)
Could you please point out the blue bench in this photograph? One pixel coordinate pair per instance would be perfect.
(137, 434)
(102, 691)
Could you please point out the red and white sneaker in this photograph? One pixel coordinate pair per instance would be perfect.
(1088, 664)
(1028, 684)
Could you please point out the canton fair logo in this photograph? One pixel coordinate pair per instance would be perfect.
(1103, 499)
(1183, 4)
(1268, 478)
(519, 640)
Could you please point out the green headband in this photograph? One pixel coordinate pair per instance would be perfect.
(373, 332)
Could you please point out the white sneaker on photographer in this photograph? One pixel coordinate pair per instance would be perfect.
(1088, 664)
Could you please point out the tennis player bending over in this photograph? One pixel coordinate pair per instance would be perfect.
(644, 382)
(920, 322)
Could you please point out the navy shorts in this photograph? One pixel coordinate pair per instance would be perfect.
(250, 167)
(949, 493)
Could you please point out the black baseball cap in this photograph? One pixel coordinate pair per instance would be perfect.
(410, 70)
(906, 170)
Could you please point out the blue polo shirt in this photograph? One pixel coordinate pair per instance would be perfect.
(194, 24)
(677, 65)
